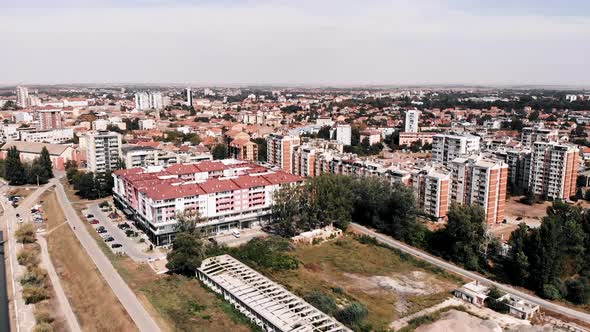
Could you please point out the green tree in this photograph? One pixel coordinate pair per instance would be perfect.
(329, 200)
(186, 255)
(219, 151)
(46, 164)
(518, 262)
(466, 235)
(14, 171)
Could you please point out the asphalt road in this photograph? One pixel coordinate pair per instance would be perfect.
(128, 299)
(471, 275)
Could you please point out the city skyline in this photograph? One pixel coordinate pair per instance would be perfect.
(262, 42)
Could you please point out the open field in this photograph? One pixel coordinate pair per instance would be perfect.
(93, 301)
(176, 303)
(530, 214)
(389, 284)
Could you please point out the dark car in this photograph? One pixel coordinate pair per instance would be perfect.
(124, 226)
(116, 245)
(89, 216)
(129, 232)
(101, 231)
(109, 239)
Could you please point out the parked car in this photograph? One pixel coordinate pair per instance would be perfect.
(101, 231)
(109, 239)
(129, 232)
(89, 216)
(18, 215)
(93, 222)
(235, 233)
(124, 226)
(116, 245)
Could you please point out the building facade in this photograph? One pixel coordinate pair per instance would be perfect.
(280, 150)
(344, 134)
(103, 151)
(227, 194)
(49, 118)
(432, 190)
(447, 147)
(554, 170)
(412, 121)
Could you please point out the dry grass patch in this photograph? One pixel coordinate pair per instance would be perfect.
(93, 301)
(391, 285)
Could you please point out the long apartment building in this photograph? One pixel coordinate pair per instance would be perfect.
(554, 169)
(280, 150)
(228, 194)
(481, 181)
(447, 147)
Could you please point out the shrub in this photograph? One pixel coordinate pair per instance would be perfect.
(25, 234)
(43, 316)
(550, 292)
(28, 257)
(366, 239)
(34, 294)
(496, 305)
(35, 276)
(322, 302)
(578, 291)
(352, 314)
(43, 327)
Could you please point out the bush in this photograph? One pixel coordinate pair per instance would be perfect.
(28, 257)
(43, 327)
(322, 302)
(366, 239)
(34, 294)
(352, 314)
(35, 276)
(578, 291)
(550, 292)
(43, 316)
(25, 234)
(498, 306)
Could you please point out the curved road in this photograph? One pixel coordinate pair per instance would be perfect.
(468, 274)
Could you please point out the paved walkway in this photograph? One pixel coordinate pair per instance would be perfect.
(128, 299)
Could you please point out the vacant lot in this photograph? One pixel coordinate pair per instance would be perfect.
(93, 301)
(530, 214)
(389, 284)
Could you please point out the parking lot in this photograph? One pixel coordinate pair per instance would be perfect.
(133, 243)
(245, 235)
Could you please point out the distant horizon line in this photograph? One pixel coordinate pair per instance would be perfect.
(309, 85)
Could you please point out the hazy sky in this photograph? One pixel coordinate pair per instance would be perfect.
(328, 42)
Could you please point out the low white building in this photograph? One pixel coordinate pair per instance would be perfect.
(54, 136)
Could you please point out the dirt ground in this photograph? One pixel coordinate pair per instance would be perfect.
(390, 285)
(530, 214)
(93, 302)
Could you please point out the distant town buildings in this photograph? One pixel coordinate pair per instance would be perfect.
(148, 100)
(22, 96)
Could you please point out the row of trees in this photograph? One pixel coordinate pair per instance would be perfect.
(89, 185)
(16, 172)
(551, 260)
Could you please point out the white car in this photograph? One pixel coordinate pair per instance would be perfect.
(236, 233)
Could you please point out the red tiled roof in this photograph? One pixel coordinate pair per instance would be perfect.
(248, 181)
(281, 177)
(181, 169)
(167, 191)
(217, 185)
(212, 166)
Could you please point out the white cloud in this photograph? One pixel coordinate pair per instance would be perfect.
(322, 42)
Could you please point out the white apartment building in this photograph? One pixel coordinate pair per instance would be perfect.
(279, 151)
(554, 170)
(147, 124)
(100, 124)
(103, 151)
(22, 96)
(22, 117)
(481, 181)
(446, 147)
(189, 97)
(530, 135)
(144, 156)
(148, 100)
(9, 132)
(412, 121)
(54, 136)
(344, 134)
